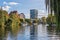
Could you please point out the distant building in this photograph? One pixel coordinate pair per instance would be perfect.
(33, 14)
(22, 15)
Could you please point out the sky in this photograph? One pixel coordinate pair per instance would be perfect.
(24, 6)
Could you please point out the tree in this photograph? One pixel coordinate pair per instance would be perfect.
(51, 19)
(3, 17)
(28, 21)
(43, 19)
(55, 6)
(14, 19)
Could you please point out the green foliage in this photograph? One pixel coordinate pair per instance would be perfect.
(28, 20)
(51, 19)
(21, 20)
(3, 17)
(11, 20)
(35, 21)
(14, 20)
(55, 6)
(44, 19)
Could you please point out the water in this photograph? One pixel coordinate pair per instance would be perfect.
(33, 32)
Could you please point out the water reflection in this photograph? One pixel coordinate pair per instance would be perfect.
(52, 33)
(3, 34)
(42, 32)
(33, 32)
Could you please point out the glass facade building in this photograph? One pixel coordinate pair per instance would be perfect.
(33, 14)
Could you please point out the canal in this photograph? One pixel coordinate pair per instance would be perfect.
(33, 32)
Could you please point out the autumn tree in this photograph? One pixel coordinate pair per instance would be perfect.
(14, 19)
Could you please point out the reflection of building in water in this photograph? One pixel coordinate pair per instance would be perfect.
(42, 32)
(33, 32)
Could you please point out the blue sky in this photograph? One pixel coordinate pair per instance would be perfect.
(24, 6)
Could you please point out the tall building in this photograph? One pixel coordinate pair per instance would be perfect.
(33, 14)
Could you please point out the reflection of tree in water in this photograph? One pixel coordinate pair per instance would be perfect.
(14, 31)
(52, 34)
(51, 29)
(33, 32)
(3, 34)
(58, 34)
(6, 34)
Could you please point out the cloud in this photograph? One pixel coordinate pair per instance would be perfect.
(13, 3)
(4, 2)
(10, 3)
(42, 13)
(6, 8)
